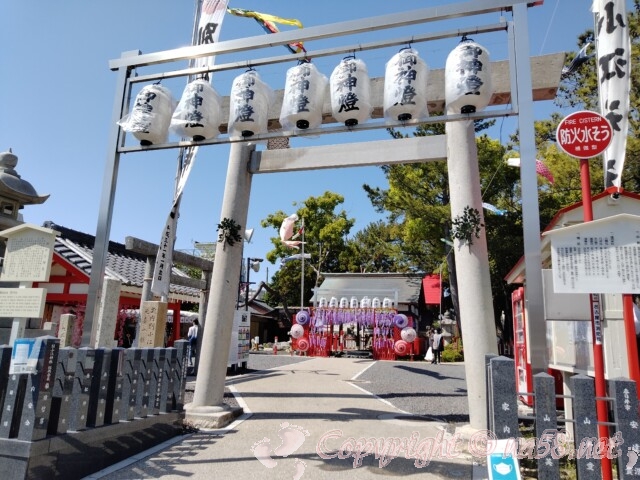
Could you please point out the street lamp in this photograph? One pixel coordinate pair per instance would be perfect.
(252, 264)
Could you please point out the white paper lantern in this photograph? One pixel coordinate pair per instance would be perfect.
(387, 303)
(198, 114)
(249, 105)
(297, 331)
(405, 87)
(365, 302)
(303, 97)
(150, 116)
(467, 78)
(333, 303)
(350, 92)
(353, 303)
(408, 334)
(344, 302)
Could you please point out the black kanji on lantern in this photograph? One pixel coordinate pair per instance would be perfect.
(348, 102)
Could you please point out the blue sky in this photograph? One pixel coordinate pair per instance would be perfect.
(57, 96)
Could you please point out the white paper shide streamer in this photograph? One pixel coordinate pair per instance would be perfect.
(467, 78)
(303, 97)
(249, 105)
(614, 54)
(405, 87)
(150, 116)
(350, 92)
(198, 115)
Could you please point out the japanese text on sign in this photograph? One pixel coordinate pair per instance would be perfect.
(28, 258)
(584, 134)
(596, 263)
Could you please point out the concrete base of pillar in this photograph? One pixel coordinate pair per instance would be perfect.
(466, 432)
(211, 417)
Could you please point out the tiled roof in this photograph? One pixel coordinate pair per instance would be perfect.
(405, 285)
(122, 264)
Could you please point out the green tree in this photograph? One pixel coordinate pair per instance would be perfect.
(376, 248)
(417, 202)
(325, 231)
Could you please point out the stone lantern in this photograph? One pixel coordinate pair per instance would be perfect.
(15, 192)
(448, 325)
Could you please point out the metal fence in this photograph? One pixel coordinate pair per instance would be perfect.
(551, 443)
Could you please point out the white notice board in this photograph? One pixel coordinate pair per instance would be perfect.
(29, 253)
(22, 302)
(602, 256)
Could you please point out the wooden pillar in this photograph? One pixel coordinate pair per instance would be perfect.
(175, 334)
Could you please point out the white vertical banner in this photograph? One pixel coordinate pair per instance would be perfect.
(164, 257)
(614, 81)
(209, 18)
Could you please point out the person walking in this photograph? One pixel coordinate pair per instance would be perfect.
(192, 337)
(430, 357)
(437, 345)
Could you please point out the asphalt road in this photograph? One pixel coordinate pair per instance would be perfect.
(418, 387)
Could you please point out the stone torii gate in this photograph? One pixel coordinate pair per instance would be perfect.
(537, 79)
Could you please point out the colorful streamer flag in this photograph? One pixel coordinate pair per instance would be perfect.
(209, 21)
(267, 22)
(614, 68)
(297, 256)
(493, 209)
(541, 168)
(286, 231)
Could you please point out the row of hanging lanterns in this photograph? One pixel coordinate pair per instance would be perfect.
(354, 303)
(198, 114)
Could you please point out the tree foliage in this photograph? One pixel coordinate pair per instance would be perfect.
(418, 211)
(325, 231)
(376, 248)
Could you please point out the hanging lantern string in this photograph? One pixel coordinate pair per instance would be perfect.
(408, 47)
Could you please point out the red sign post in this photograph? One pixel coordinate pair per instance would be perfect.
(584, 135)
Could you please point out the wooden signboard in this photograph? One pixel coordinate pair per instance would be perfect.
(29, 253)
